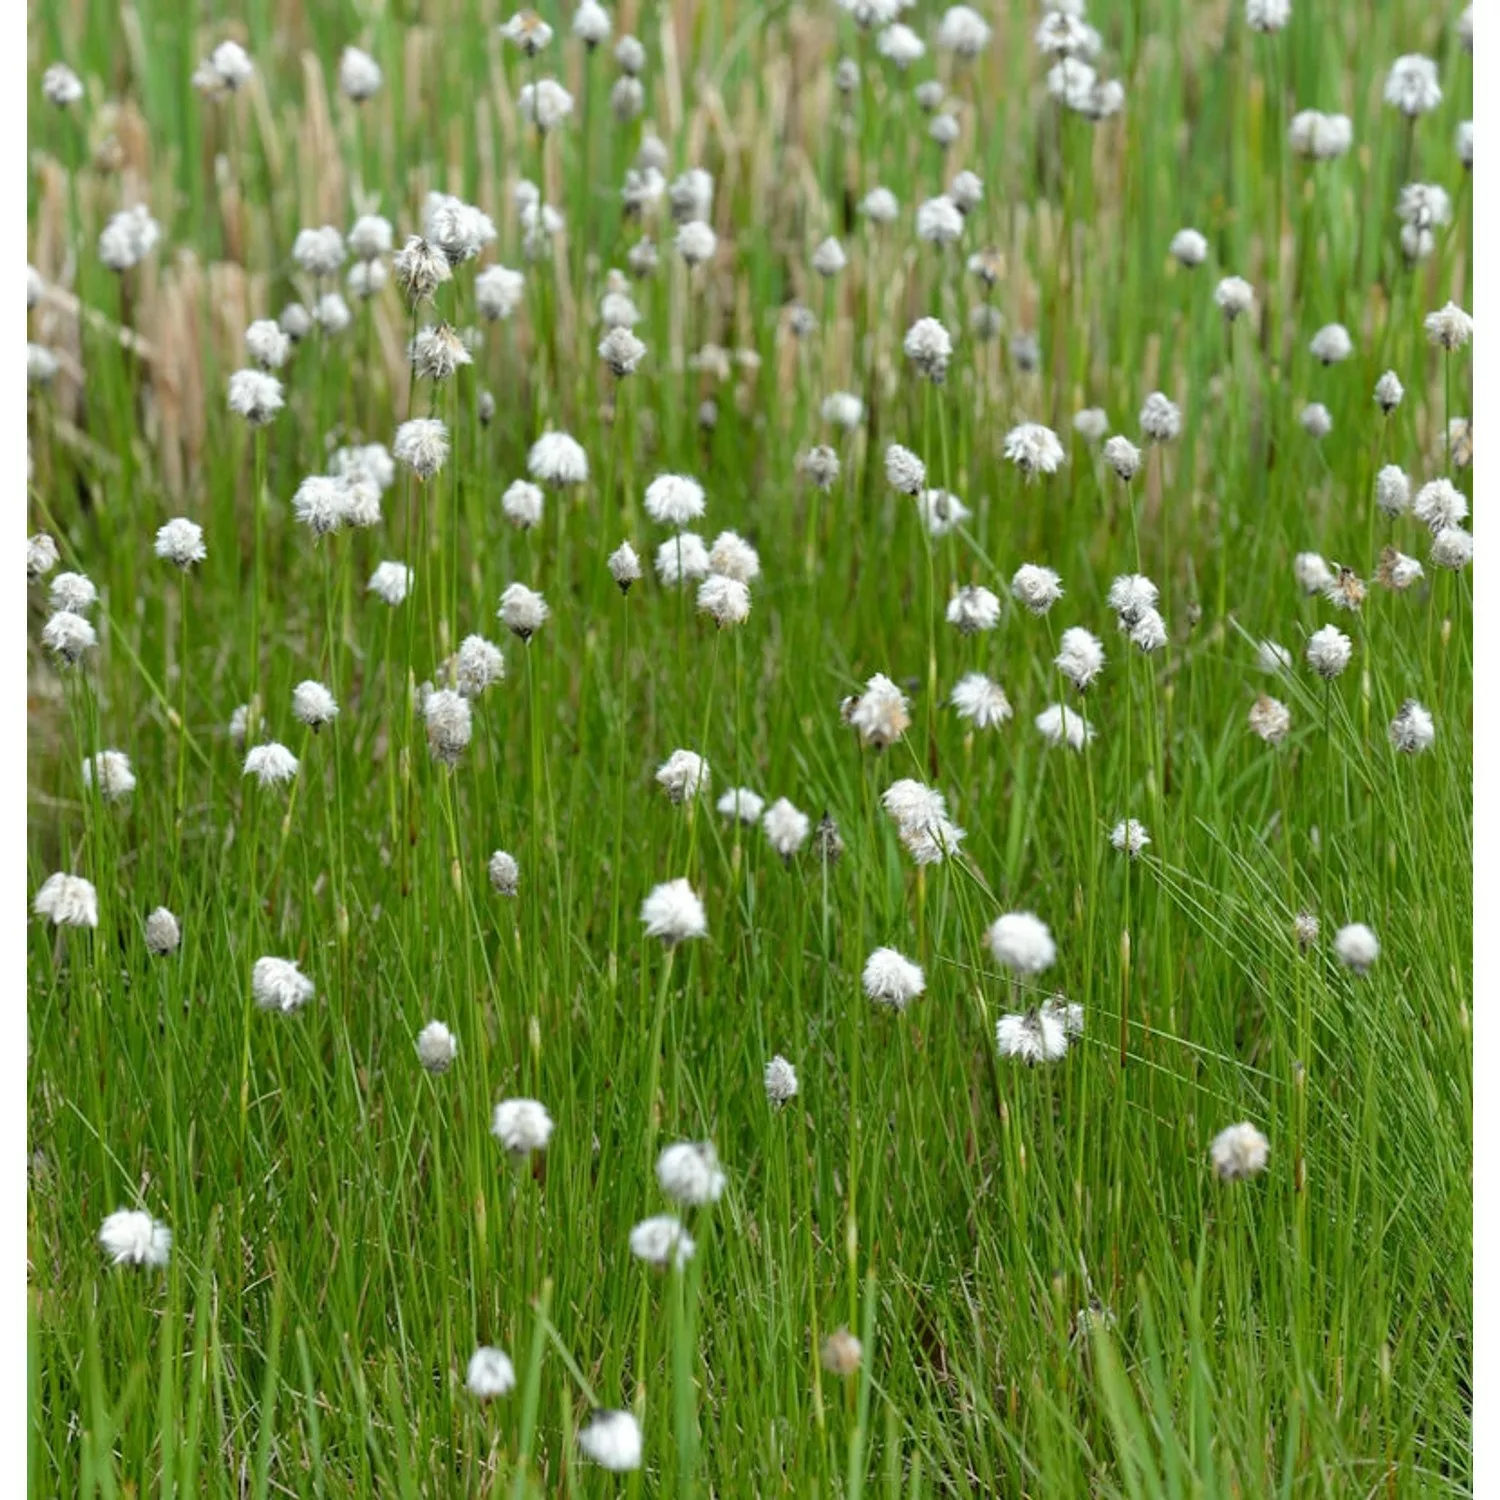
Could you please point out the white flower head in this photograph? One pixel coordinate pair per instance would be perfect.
(128, 238)
(1239, 1151)
(422, 445)
(1329, 651)
(843, 409)
(1123, 457)
(780, 1081)
(973, 609)
(163, 932)
(1091, 423)
(61, 86)
(624, 566)
(689, 1173)
(490, 1374)
(1059, 725)
(319, 252)
(522, 611)
(1316, 420)
(1034, 449)
(1453, 548)
(1129, 837)
(879, 206)
(612, 1440)
(621, 351)
(591, 23)
(891, 980)
(110, 771)
(278, 984)
(980, 700)
(522, 1126)
(941, 511)
(1412, 85)
(478, 664)
(674, 500)
(41, 556)
(940, 221)
(545, 104)
(1021, 942)
(1160, 419)
(1036, 587)
(1270, 719)
(505, 873)
(458, 229)
(682, 559)
(696, 242)
(880, 714)
(904, 469)
(313, 705)
(963, 31)
(391, 582)
(1392, 491)
(734, 557)
(725, 600)
(1189, 248)
(829, 258)
(74, 592)
(1388, 392)
(131, 1238)
(1080, 656)
(436, 1047)
(901, 45)
(359, 75)
(1450, 327)
(1234, 296)
(255, 396)
(673, 913)
(450, 725)
(1331, 344)
(1033, 1036)
(522, 504)
(271, 764)
(1271, 656)
(558, 460)
(740, 802)
(929, 347)
(68, 635)
(67, 901)
(1268, 15)
(786, 828)
(1412, 730)
(683, 775)
(662, 1241)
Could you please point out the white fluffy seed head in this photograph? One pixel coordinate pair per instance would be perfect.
(522, 1126)
(780, 1081)
(360, 76)
(278, 984)
(523, 503)
(725, 600)
(696, 242)
(1392, 491)
(1161, 421)
(490, 1374)
(973, 609)
(110, 772)
(522, 611)
(624, 566)
(1123, 457)
(436, 1047)
(1412, 85)
(683, 775)
(1189, 248)
(450, 725)
(1059, 725)
(673, 913)
(163, 933)
(929, 347)
(272, 764)
(422, 445)
(1388, 392)
(1239, 1151)
(313, 705)
(662, 1241)
(1034, 449)
(940, 221)
(891, 980)
(881, 713)
(674, 500)
(1021, 942)
(1331, 344)
(255, 396)
(612, 1440)
(131, 1238)
(1270, 719)
(1450, 327)
(1329, 651)
(1129, 837)
(1036, 587)
(391, 582)
(981, 701)
(689, 1173)
(740, 802)
(41, 556)
(1032, 1037)
(786, 828)
(505, 873)
(558, 460)
(1080, 656)
(682, 559)
(67, 901)
(180, 541)
(1412, 730)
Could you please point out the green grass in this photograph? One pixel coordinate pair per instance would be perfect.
(346, 1229)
